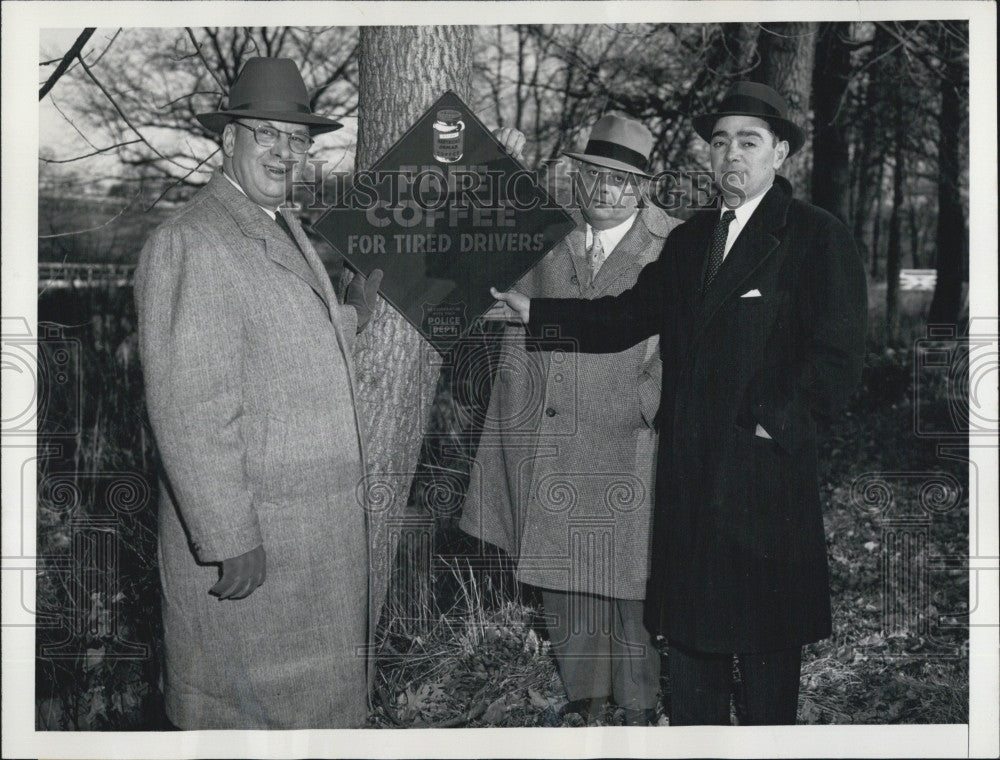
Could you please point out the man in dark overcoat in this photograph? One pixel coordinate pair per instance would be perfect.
(246, 357)
(760, 305)
(563, 476)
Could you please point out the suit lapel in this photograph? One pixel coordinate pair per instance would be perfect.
(637, 238)
(326, 286)
(255, 223)
(755, 245)
(693, 254)
(306, 262)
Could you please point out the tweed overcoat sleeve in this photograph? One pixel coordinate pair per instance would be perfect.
(192, 353)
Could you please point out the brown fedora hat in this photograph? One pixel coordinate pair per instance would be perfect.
(269, 88)
(617, 142)
(753, 99)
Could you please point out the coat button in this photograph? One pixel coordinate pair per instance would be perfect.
(550, 412)
(575, 280)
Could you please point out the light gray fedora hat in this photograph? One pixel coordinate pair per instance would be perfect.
(618, 142)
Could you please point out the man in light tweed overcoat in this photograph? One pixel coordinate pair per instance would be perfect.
(564, 471)
(247, 362)
(760, 305)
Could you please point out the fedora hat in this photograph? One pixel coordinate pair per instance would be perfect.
(753, 99)
(269, 88)
(617, 142)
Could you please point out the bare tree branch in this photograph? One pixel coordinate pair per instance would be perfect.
(69, 121)
(73, 52)
(209, 69)
(182, 179)
(121, 113)
(116, 146)
(106, 47)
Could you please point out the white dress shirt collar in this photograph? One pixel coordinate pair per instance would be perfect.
(610, 237)
(743, 213)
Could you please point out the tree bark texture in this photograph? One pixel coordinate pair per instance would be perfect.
(870, 159)
(877, 220)
(894, 253)
(787, 51)
(831, 73)
(402, 71)
(952, 235)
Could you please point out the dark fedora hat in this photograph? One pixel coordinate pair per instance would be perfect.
(753, 99)
(269, 88)
(617, 142)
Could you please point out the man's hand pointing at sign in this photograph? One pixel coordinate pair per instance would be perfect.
(510, 305)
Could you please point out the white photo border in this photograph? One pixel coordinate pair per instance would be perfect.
(22, 23)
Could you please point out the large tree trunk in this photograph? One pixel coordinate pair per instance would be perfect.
(870, 160)
(787, 51)
(831, 73)
(915, 242)
(403, 70)
(894, 253)
(952, 235)
(877, 219)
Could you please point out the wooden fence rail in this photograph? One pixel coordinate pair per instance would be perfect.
(63, 275)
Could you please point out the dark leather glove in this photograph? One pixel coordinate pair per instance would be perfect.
(362, 294)
(240, 575)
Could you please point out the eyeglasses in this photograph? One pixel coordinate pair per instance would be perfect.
(266, 136)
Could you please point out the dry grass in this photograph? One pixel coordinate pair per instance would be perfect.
(480, 662)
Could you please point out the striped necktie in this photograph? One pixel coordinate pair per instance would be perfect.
(595, 255)
(717, 249)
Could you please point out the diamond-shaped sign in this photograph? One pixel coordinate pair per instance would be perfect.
(445, 214)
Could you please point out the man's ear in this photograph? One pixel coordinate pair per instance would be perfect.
(229, 139)
(781, 151)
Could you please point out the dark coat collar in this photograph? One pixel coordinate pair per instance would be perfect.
(757, 242)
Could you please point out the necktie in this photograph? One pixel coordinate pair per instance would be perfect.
(717, 249)
(595, 255)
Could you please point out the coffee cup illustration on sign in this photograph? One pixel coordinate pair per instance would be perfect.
(449, 136)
